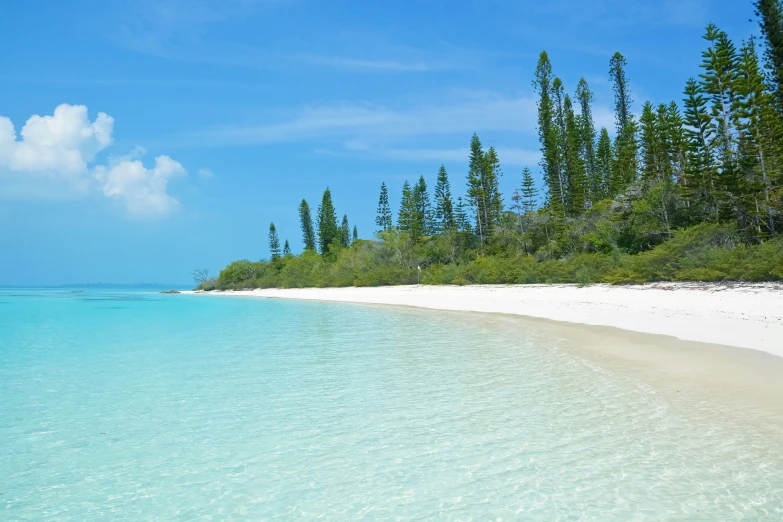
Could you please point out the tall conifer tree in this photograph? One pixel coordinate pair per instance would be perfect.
(548, 134)
(355, 235)
(604, 161)
(306, 223)
(444, 206)
(461, 217)
(286, 249)
(624, 168)
(383, 220)
(274, 242)
(574, 165)
(588, 135)
(760, 128)
(477, 195)
(345, 232)
(407, 214)
(422, 217)
(491, 181)
(700, 174)
(770, 13)
(529, 192)
(649, 141)
(328, 231)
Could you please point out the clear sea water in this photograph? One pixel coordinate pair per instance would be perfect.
(118, 405)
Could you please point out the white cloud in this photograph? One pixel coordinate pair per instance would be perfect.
(205, 173)
(479, 112)
(142, 190)
(507, 155)
(54, 155)
(55, 148)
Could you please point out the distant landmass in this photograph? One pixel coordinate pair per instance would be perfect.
(125, 285)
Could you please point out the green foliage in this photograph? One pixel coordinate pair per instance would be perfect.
(706, 252)
(306, 223)
(328, 231)
(770, 13)
(691, 195)
(383, 219)
(274, 242)
(345, 232)
(444, 206)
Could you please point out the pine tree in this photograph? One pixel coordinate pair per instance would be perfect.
(719, 81)
(574, 165)
(491, 181)
(477, 194)
(649, 141)
(587, 128)
(720, 64)
(286, 249)
(624, 168)
(461, 217)
(678, 141)
(355, 235)
(655, 155)
(422, 216)
(328, 231)
(384, 218)
(770, 13)
(407, 214)
(760, 128)
(444, 206)
(529, 192)
(274, 242)
(306, 223)
(548, 134)
(345, 233)
(700, 174)
(604, 161)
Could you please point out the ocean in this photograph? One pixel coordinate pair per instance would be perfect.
(133, 405)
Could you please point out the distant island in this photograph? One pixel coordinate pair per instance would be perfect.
(688, 191)
(123, 286)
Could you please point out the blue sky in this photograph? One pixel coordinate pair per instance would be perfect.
(140, 139)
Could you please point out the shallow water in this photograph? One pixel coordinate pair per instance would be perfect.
(141, 406)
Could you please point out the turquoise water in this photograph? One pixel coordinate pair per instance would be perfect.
(140, 406)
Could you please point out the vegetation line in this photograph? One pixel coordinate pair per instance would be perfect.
(690, 192)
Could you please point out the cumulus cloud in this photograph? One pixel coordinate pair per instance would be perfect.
(53, 155)
(141, 190)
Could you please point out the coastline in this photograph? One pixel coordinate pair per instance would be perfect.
(737, 315)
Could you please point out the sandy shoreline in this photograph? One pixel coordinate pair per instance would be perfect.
(745, 316)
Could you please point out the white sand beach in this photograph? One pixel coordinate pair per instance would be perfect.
(739, 315)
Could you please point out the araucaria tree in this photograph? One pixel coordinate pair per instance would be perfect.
(770, 13)
(444, 206)
(574, 162)
(548, 135)
(306, 223)
(686, 190)
(483, 192)
(345, 233)
(587, 140)
(407, 214)
(274, 242)
(422, 217)
(529, 192)
(624, 168)
(328, 231)
(383, 220)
